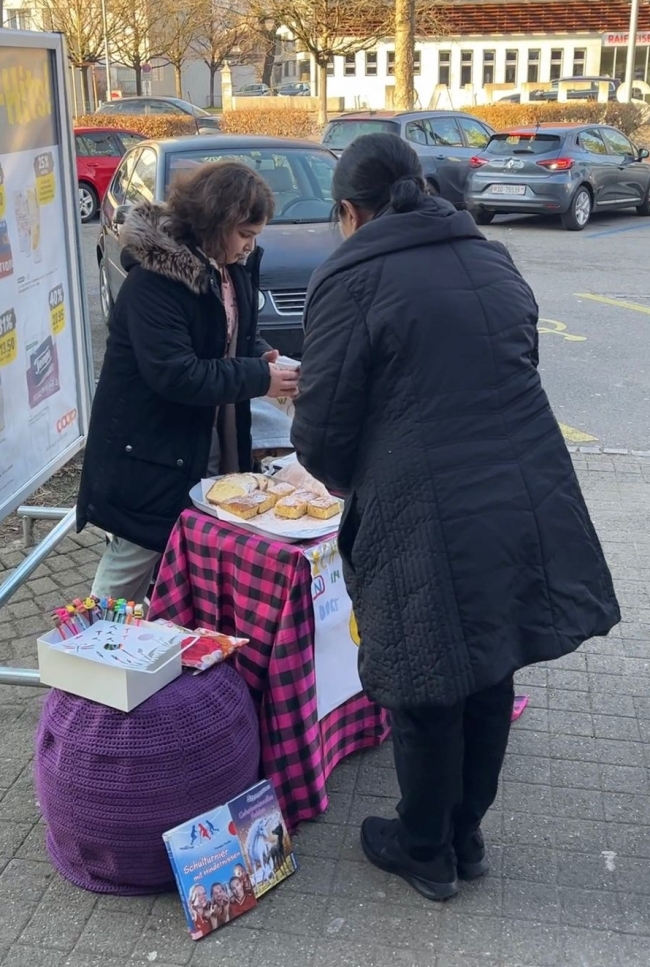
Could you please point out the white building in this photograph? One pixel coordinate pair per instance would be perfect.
(502, 42)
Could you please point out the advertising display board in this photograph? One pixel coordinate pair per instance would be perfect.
(45, 358)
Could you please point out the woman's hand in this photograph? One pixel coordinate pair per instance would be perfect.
(284, 382)
(271, 356)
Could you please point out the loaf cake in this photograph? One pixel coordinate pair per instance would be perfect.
(232, 485)
(323, 508)
(292, 507)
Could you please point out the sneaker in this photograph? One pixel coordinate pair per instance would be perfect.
(470, 855)
(435, 879)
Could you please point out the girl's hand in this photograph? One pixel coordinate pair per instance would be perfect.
(284, 382)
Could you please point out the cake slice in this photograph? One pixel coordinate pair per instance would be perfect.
(232, 485)
(292, 507)
(276, 491)
(244, 507)
(323, 508)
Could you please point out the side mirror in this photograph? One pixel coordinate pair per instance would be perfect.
(120, 214)
(643, 154)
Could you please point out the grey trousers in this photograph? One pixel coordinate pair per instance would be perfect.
(125, 571)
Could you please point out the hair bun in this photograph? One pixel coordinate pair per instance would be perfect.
(405, 193)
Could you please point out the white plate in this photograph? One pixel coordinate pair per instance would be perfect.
(267, 525)
(508, 189)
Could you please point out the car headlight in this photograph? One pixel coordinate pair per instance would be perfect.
(261, 301)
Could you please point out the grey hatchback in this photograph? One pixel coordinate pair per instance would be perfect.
(444, 140)
(569, 170)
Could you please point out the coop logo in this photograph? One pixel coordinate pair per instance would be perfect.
(66, 421)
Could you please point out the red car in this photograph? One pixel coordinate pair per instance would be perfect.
(99, 152)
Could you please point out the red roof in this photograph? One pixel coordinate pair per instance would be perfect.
(466, 17)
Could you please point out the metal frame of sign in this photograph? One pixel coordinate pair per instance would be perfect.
(79, 319)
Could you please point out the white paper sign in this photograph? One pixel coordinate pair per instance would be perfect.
(336, 639)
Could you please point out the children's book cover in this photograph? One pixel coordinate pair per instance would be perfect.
(263, 836)
(210, 870)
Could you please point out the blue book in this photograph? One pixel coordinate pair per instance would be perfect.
(225, 859)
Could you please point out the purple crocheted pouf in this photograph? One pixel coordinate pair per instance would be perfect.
(109, 784)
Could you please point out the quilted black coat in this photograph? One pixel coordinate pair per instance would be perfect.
(467, 546)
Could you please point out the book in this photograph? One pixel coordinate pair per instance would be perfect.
(225, 859)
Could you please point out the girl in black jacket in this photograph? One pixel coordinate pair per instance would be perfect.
(183, 360)
(467, 546)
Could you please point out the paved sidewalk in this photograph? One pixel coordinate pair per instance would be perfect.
(569, 837)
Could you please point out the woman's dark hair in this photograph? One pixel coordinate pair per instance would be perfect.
(377, 172)
(206, 205)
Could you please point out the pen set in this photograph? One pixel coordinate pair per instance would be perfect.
(73, 619)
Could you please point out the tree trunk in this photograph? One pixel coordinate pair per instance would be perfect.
(85, 89)
(138, 78)
(178, 73)
(404, 54)
(322, 94)
(269, 57)
(213, 73)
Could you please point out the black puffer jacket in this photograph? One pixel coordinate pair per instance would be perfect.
(467, 546)
(163, 376)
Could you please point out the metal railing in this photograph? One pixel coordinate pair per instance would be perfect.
(66, 522)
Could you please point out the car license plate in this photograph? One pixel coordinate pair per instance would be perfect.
(508, 189)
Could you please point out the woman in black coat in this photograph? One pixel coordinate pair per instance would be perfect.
(467, 546)
(183, 360)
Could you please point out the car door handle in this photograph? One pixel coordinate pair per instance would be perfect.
(440, 157)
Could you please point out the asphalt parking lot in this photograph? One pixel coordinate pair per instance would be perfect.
(593, 290)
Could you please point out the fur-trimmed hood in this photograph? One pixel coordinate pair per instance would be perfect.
(147, 242)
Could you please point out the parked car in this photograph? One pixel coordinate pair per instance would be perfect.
(253, 90)
(569, 170)
(299, 238)
(299, 89)
(573, 94)
(205, 123)
(99, 152)
(444, 140)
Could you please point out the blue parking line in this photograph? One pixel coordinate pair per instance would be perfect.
(618, 231)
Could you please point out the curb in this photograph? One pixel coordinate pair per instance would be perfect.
(609, 451)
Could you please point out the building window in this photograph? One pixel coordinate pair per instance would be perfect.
(533, 66)
(466, 67)
(511, 67)
(556, 64)
(390, 63)
(417, 62)
(371, 63)
(350, 68)
(488, 67)
(444, 67)
(330, 67)
(19, 19)
(579, 60)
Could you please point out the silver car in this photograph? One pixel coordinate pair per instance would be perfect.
(571, 170)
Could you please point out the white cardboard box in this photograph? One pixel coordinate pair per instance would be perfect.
(149, 657)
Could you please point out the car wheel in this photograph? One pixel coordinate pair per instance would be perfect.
(579, 213)
(105, 297)
(644, 207)
(483, 217)
(88, 202)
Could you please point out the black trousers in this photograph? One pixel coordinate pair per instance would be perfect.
(448, 762)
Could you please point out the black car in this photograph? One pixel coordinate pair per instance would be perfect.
(444, 140)
(205, 123)
(569, 170)
(299, 238)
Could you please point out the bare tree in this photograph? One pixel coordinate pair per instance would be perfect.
(330, 28)
(175, 33)
(81, 23)
(135, 26)
(413, 18)
(222, 32)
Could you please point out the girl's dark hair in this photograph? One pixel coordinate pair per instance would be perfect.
(377, 172)
(206, 205)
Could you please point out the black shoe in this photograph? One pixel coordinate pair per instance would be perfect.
(470, 855)
(436, 879)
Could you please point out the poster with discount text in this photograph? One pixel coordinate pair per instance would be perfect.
(336, 644)
(40, 402)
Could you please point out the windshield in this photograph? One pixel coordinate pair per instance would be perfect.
(300, 179)
(186, 106)
(533, 143)
(340, 134)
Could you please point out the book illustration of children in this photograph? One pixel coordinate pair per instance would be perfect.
(203, 831)
(193, 836)
(240, 900)
(244, 877)
(198, 904)
(219, 911)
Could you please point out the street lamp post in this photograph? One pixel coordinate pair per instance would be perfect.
(109, 91)
(631, 49)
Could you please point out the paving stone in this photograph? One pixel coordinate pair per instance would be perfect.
(525, 943)
(374, 923)
(59, 919)
(579, 775)
(225, 948)
(110, 933)
(538, 864)
(26, 878)
(567, 700)
(600, 910)
(527, 797)
(343, 954)
(531, 901)
(22, 956)
(469, 936)
(571, 723)
(527, 769)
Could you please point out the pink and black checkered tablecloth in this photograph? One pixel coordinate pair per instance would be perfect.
(218, 576)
